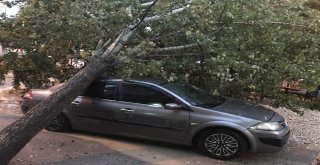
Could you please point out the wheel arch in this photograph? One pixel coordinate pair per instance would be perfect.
(69, 126)
(197, 134)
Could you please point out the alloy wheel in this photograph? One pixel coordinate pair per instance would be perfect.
(222, 145)
(57, 124)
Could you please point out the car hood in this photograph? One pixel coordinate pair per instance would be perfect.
(245, 109)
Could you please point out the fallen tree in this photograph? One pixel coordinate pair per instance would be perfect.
(15, 136)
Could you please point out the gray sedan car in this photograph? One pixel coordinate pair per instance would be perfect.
(179, 113)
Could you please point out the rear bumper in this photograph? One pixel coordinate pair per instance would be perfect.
(24, 109)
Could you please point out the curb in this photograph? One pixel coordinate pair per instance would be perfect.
(316, 161)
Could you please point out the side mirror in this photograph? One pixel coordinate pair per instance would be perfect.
(173, 106)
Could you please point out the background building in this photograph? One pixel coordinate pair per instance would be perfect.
(9, 12)
(3, 50)
(2, 9)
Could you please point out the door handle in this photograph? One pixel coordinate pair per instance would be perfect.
(75, 103)
(126, 110)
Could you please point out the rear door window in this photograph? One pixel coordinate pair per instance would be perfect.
(102, 90)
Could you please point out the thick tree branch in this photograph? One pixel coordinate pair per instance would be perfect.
(223, 11)
(129, 11)
(159, 56)
(159, 17)
(107, 43)
(147, 4)
(175, 48)
(127, 33)
(100, 44)
(118, 43)
(145, 14)
(272, 23)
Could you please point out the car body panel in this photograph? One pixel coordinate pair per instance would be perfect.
(202, 118)
(154, 122)
(96, 115)
(245, 109)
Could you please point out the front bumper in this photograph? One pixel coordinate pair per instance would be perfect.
(277, 142)
(269, 141)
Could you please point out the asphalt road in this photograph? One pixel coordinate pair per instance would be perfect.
(81, 148)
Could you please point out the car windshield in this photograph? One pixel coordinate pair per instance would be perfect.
(195, 96)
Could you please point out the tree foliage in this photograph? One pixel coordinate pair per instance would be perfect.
(238, 43)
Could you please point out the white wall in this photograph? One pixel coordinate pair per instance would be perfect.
(3, 50)
(10, 12)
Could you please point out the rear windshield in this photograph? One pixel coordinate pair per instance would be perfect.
(56, 87)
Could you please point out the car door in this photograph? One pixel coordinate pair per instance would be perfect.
(142, 110)
(95, 110)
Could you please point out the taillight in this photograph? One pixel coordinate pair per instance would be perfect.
(28, 94)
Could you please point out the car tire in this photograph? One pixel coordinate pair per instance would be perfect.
(59, 123)
(221, 144)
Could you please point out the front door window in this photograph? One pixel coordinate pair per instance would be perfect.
(144, 95)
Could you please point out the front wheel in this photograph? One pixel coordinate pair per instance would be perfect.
(221, 144)
(59, 123)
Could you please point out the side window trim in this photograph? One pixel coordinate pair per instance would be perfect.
(116, 95)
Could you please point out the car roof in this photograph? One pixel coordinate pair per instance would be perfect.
(148, 80)
(135, 80)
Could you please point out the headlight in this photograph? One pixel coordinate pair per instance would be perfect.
(268, 126)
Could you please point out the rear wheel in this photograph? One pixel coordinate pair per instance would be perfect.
(221, 144)
(59, 123)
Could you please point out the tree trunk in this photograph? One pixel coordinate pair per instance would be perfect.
(14, 137)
